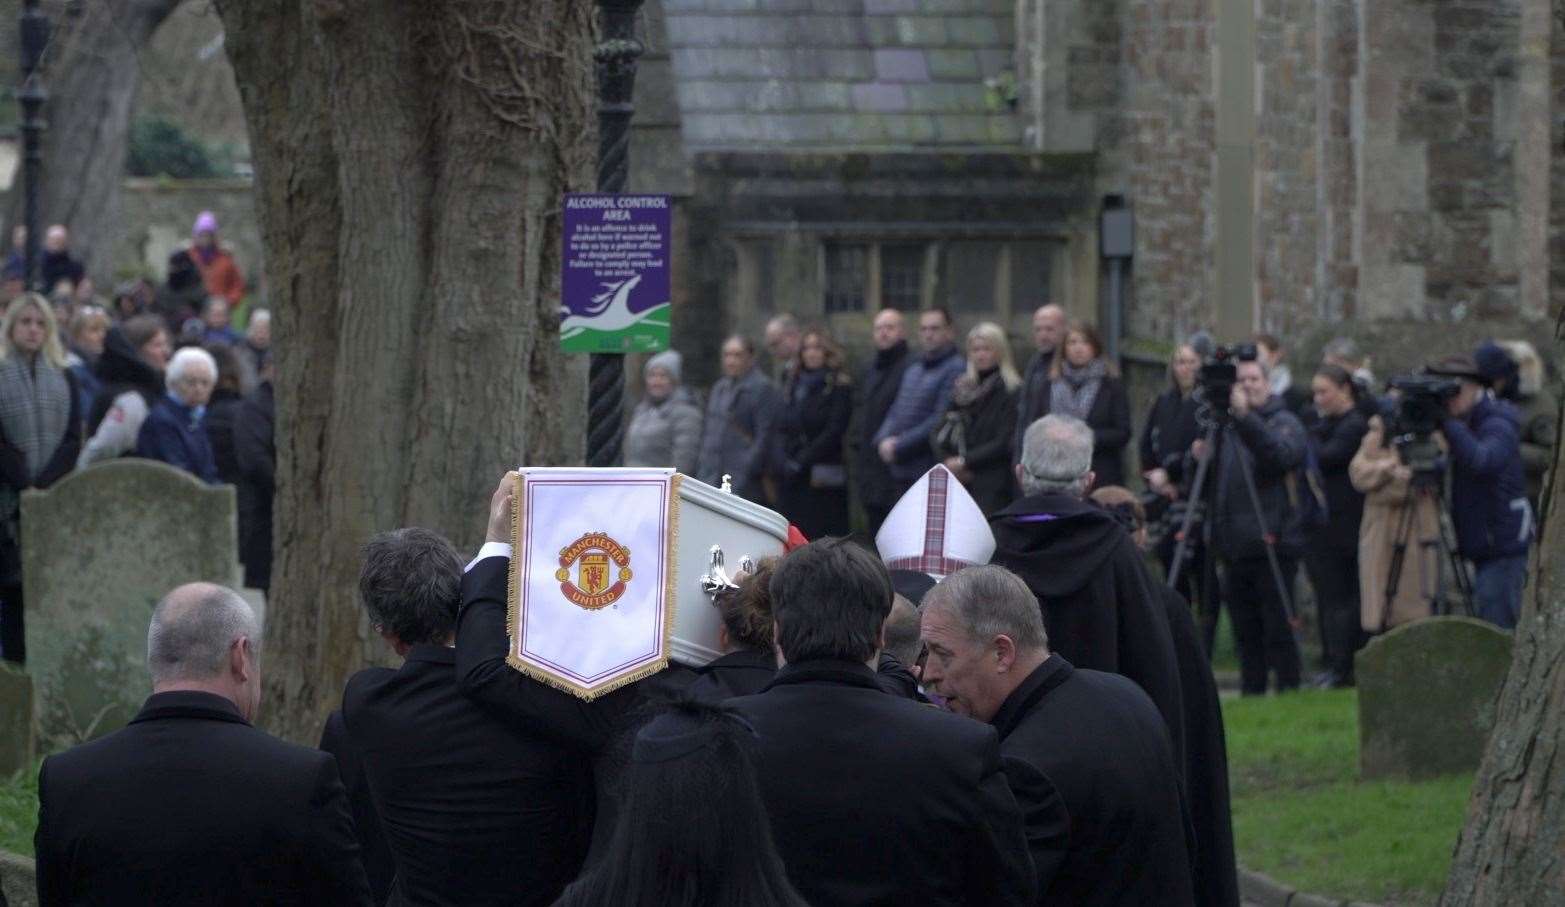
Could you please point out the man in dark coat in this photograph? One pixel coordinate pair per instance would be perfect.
(737, 432)
(256, 451)
(1092, 737)
(190, 804)
(902, 439)
(1098, 605)
(475, 810)
(1032, 397)
(874, 799)
(877, 391)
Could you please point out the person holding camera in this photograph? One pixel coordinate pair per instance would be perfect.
(1489, 505)
(1269, 442)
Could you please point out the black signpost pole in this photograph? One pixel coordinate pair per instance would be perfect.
(616, 58)
(33, 31)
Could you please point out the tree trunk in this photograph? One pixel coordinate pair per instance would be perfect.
(409, 160)
(92, 73)
(1512, 848)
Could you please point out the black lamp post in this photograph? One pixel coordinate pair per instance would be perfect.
(34, 33)
(616, 59)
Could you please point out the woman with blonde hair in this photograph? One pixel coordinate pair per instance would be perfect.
(40, 434)
(975, 439)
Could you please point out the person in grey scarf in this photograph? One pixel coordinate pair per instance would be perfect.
(1085, 385)
(40, 434)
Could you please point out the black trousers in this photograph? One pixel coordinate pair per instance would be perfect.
(13, 639)
(1267, 649)
(1335, 576)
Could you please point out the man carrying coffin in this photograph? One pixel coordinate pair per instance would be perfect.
(1095, 737)
(874, 799)
(1098, 605)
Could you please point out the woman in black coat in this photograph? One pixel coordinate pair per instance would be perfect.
(976, 438)
(40, 436)
(1337, 427)
(808, 459)
(221, 411)
(1085, 384)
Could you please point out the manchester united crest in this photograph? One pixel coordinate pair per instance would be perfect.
(593, 571)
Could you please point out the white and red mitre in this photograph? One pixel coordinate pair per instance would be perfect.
(937, 528)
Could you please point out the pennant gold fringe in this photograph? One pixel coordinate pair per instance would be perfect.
(513, 602)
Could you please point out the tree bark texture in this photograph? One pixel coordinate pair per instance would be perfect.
(92, 73)
(1512, 848)
(410, 160)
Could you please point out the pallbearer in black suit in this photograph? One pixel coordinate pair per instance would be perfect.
(476, 810)
(874, 799)
(189, 804)
(1093, 739)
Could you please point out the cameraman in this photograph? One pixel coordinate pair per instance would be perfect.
(1489, 503)
(1271, 440)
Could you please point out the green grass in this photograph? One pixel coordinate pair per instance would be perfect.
(1302, 817)
(19, 811)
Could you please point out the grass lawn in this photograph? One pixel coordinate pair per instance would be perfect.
(19, 811)
(1302, 817)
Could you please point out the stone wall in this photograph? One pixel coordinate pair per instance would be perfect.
(1171, 132)
(1287, 165)
(158, 214)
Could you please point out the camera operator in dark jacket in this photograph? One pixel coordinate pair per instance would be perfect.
(1489, 503)
(1270, 440)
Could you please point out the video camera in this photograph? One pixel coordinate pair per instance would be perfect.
(1417, 416)
(1220, 372)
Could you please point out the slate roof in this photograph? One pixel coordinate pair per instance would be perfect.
(841, 74)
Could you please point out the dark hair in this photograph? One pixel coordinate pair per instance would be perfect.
(830, 598)
(1337, 375)
(938, 310)
(693, 829)
(745, 343)
(411, 584)
(140, 329)
(1269, 341)
(747, 611)
(227, 366)
(1089, 332)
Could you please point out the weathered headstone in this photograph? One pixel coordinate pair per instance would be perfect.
(1427, 693)
(98, 551)
(16, 720)
(19, 879)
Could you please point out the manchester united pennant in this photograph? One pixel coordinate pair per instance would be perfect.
(592, 579)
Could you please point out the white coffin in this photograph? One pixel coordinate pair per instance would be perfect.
(709, 517)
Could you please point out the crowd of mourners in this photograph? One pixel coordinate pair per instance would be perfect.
(1021, 713)
(1334, 492)
(155, 371)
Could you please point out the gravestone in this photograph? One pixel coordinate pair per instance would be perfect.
(1427, 693)
(16, 719)
(19, 879)
(98, 551)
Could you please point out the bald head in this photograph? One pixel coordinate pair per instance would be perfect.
(889, 329)
(194, 634)
(1048, 327)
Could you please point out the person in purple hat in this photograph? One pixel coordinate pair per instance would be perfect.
(218, 271)
(1494, 521)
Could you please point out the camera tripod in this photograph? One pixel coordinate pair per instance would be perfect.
(1426, 487)
(1219, 431)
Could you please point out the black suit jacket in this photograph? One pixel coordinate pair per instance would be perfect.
(476, 810)
(597, 732)
(379, 866)
(877, 800)
(1102, 743)
(735, 674)
(189, 804)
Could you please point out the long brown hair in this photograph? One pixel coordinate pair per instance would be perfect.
(835, 360)
(1088, 333)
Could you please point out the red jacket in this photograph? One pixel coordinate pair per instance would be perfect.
(221, 276)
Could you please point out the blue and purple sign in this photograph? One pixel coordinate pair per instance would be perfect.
(614, 292)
